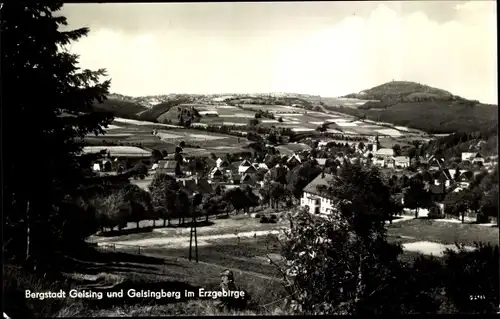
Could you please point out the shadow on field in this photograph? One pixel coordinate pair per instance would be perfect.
(203, 223)
(89, 257)
(128, 231)
(149, 229)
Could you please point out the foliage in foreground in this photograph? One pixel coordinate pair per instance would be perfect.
(343, 264)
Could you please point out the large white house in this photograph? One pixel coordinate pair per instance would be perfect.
(312, 198)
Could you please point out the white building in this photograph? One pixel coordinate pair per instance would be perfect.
(402, 161)
(473, 157)
(312, 198)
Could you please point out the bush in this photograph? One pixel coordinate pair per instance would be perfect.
(264, 220)
(258, 216)
(274, 217)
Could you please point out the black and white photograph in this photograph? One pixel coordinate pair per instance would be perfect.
(249, 158)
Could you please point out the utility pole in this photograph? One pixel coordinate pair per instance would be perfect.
(193, 232)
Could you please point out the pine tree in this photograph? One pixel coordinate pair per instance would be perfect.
(49, 99)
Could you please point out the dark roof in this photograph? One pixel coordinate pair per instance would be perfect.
(215, 171)
(203, 187)
(250, 169)
(321, 180)
(245, 163)
(466, 176)
(162, 164)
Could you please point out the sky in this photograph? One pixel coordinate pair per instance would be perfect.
(322, 48)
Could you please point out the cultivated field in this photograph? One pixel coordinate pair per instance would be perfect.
(298, 119)
(124, 133)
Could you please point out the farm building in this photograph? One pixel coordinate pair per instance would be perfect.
(313, 199)
(216, 174)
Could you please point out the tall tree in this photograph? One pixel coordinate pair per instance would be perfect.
(416, 196)
(35, 57)
(163, 189)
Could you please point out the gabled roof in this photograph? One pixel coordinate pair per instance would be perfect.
(245, 163)
(250, 169)
(201, 186)
(320, 180)
(215, 170)
(466, 176)
(222, 162)
(294, 157)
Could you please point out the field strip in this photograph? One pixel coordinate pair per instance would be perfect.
(183, 242)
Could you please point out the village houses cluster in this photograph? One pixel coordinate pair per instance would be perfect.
(253, 172)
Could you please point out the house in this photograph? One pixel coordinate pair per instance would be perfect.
(247, 179)
(249, 170)
(104, 165)
(244, 165)
(441, 178)
(384, 153)
(478, 159)
(293, 160)
(465, 179)
(313, 199)
(221, 162)
(402, 161)
(216, 174)
(196, 185)
(469, 156)
(168, 167)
